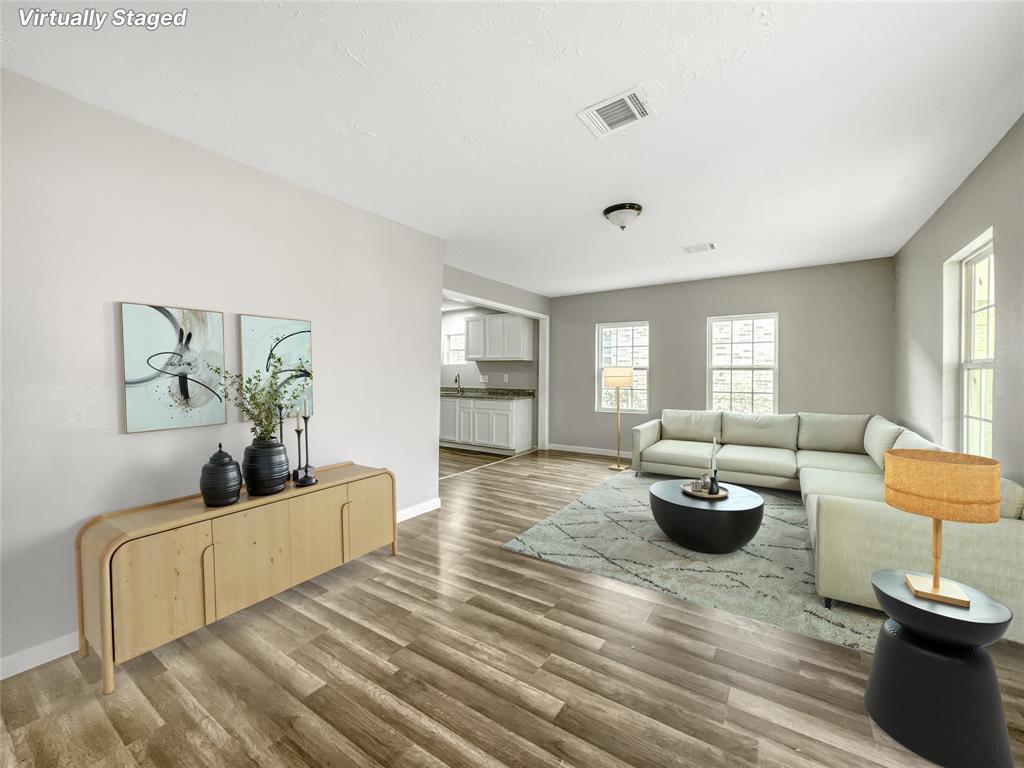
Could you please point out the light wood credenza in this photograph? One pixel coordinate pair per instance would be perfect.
(150, 574)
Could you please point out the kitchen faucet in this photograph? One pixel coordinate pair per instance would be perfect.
(458, 383)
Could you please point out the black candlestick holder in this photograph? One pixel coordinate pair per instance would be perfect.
(280, 424)
(308, 471)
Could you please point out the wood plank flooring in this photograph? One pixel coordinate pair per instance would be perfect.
(457, 653)
(453, 461)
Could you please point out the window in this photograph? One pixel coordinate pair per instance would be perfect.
(978, 350)
(454, 349)
(623, 345)
(743, 363)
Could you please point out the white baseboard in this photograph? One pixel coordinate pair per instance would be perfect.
(419, 509)
(62, 646)
(38, 654)
(584, 449)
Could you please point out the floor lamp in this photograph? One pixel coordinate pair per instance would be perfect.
(618, 378)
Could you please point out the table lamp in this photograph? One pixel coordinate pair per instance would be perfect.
(618, 378)
(943, 486)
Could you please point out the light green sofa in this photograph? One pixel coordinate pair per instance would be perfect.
(837, 462)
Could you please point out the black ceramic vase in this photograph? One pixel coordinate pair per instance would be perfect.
(220, 482)
(265, 467)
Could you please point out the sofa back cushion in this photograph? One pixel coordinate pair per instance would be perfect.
(910, 439)
(1012, 504)
(879, 436)
(832, 432)
(699, 426)
(764, 429)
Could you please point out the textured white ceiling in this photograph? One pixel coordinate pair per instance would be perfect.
(789, 134)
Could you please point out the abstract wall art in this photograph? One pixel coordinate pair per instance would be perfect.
(168, 381)
(291, 340)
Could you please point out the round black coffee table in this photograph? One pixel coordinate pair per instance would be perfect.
(706, 526)
(932, 685)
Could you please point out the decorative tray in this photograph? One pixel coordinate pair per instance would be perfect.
(723, 493)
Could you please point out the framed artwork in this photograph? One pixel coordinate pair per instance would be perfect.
(291, 340)
(168, 382)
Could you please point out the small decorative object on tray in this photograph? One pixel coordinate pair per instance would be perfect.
(693, 488)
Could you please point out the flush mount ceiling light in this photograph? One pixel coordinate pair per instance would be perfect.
(622, 214)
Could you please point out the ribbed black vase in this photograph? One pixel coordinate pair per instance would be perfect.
(220, 481)
(265, 467)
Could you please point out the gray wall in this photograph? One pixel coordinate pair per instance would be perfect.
(521, 374)
(992, 196)
(835, 343)
(503, 293)
(98, 209)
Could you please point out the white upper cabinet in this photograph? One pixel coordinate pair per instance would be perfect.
(499, 337)
(476, 347)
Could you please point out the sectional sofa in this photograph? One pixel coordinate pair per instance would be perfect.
(837, 463)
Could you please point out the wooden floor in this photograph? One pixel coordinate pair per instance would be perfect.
(458, 653)
(453, 461)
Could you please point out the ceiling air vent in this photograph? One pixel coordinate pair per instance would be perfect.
(699, 248)
(615, 113)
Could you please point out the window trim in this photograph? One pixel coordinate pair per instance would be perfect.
(598, 369)
(969, 363)
(448, 348)
(710, 369)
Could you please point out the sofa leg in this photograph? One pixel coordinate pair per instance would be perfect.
(636, 474)
(828, 603)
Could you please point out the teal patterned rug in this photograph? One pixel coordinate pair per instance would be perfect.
(610, 531)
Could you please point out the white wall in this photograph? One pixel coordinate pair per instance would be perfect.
(835, 343)
(98, 209)
(992, 196)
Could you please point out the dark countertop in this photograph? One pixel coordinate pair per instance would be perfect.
(479, 393)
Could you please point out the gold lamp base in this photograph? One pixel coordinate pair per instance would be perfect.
(618, 467)
(948, 591)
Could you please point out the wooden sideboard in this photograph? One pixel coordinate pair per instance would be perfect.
(150, 574)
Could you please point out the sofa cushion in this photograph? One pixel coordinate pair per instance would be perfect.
(700, 426)
(757, 460)
(910, 439)
(832, 432)
(760, 429)
(834, 482)
(1012, 504)
(879, 437)
(845, 462)
(683, 453)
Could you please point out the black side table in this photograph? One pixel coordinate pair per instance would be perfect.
(933, 685)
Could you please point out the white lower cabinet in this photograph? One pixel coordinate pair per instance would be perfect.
(488, 423)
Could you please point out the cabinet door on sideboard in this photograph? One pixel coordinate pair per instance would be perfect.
(157, 585)
(252, 556)
(316, 532)
(370, 517)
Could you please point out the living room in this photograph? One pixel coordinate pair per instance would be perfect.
(771, 263)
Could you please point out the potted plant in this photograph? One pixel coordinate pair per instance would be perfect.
(261, 397)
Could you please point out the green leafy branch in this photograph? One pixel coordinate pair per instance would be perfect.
(259, 395)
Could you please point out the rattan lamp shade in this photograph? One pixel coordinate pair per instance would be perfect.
(943, 485)
(618, 377)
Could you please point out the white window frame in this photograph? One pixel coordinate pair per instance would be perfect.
(598, 369)
(448, 349)
(709, 396)
(967, 361)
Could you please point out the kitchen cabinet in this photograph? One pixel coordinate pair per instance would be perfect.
(499, 337)
(449, 419)
(497, 424)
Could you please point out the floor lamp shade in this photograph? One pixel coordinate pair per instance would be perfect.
(942, 485)
(617, 377)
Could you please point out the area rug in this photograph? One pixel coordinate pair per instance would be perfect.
(610, 531)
